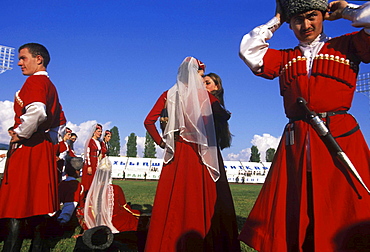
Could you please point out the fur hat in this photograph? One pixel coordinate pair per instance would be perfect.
(99, 237)
(294, 7)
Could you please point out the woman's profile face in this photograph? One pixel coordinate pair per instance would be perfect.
(107, 138)
(97, 133)
(209, 84)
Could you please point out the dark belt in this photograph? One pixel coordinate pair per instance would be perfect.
(321, 115)
(327, 115)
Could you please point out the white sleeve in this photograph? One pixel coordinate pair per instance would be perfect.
(253, 46)
(359, 15)
(35, 115)
(88, 156)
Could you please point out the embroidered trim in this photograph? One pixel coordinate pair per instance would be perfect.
(18, 99)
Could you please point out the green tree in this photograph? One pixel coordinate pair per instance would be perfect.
(270, 153)
(114, 142)
(149, 149)
(255, 155)
(131, 145)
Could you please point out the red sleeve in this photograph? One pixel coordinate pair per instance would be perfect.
(152, 117)
(103, 149)
(271, 64)
(361, 43)
(78, 195)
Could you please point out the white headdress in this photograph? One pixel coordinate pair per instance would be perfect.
(190, 114)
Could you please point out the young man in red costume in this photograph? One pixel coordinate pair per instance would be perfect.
(310, 201)
(29, 188)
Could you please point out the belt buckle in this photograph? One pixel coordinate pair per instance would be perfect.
(323, 114)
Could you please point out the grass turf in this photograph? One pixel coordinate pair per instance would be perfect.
(141, 195)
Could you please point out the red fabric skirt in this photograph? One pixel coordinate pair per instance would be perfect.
(280, 217)
(87, 179)
(124, 218)
(191, 212)
(30, 184)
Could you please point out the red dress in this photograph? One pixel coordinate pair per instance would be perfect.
(92, 161)
(124, 217)
(280, 216)
(191, 212)
(30, 183)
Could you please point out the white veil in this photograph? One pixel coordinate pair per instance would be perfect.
(100, 198)
(190, 113)
(86, 147)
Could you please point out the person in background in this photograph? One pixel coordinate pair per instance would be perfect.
(310, 200)
(29, 188)
(72, 140)
(70, 194)
(93, 153)
(193, 208)
(106, 139)
(63, 152)
(213, 84)
(11, 133)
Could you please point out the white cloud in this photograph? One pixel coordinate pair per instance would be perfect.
(6, 120)
(84, 132)
(263, 143)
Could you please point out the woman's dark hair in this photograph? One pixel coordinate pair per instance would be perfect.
(221, 126)
(219, 93)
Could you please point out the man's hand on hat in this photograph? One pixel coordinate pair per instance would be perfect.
(279, 12)
(335, 10)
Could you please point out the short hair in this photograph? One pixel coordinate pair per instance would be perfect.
(74, 134)
(11, 128)
(37, 49)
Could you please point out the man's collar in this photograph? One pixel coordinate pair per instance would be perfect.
(42, 73)
(321, 38)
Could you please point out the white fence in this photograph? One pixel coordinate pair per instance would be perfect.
(150, 168)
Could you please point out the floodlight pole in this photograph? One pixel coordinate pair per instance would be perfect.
(6, 58)
(363, 85)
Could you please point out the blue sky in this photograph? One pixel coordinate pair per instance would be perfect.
(111, 60)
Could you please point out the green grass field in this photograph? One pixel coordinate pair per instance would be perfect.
(141, 195)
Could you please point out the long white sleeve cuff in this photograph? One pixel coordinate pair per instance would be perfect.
(34, 116)
(253, 46)
(359, 15)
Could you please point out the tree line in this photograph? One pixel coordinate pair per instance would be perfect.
(150, 151)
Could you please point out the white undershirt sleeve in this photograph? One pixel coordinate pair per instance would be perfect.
(359, 15)
(253, 46)
(30, 121)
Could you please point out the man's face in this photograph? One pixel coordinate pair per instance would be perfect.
(307, 26)
(29, 65)
(73, 138)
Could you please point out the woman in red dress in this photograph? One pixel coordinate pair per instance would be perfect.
(93, 153)
(106, 203)
(193, 208)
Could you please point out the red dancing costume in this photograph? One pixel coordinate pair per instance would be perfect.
(190, 210)
(280, 217)
(92, 159)
(30, 183)
(124, 217)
